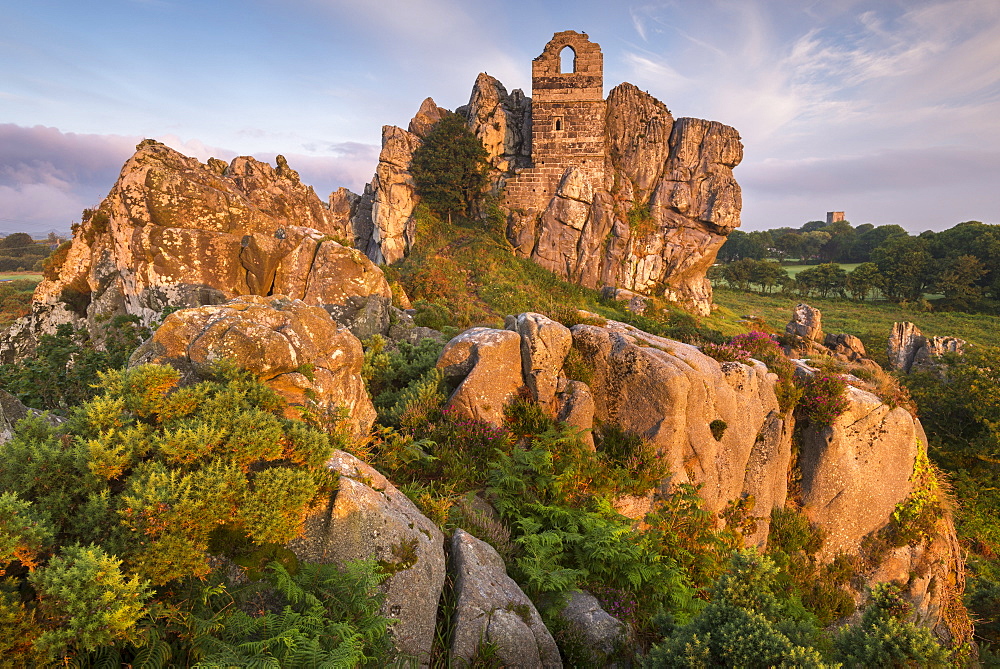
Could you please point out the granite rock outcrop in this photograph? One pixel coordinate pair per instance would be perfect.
(296, 349)
(175, 232)
(910, 350)
(602, 192)
(719, 426)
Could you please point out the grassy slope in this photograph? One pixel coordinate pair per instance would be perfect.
(868, 320)
(36, 277)
(795, 269)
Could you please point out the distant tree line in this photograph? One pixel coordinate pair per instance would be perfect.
(961, 263)
(19, 252)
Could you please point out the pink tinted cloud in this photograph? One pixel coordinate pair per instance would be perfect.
(47, 177)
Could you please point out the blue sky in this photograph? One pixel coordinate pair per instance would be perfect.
(887, 110)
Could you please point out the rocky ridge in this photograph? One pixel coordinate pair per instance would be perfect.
(175, 232)
(653, 225)
(852, 475)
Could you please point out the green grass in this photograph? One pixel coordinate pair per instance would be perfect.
(793, 270)
(24, 276)
(871, 321)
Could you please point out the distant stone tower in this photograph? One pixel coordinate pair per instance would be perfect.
(567, 119)
(834, 217)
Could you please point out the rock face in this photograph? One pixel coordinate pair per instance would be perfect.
(655, 219)
(296, 349)
(486, 364)
(369, 517)
(670, 393)
(174, 232)
(909, 349)
(502, 122)
(602, 192)
(491, 608)
(852, 474)
(856, 471)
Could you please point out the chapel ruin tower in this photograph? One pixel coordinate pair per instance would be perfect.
(567, 124)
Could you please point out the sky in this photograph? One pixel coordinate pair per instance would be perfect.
(888, 111)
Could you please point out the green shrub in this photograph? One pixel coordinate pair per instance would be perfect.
(137, 484)
(449, 167)
(793, 544)
(60, 373)
(885, 638)
(745, 625)
(95, 603)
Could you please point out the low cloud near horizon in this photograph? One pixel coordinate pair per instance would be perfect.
(933, 188)
(48, 177)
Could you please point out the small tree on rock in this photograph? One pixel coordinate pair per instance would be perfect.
(450, 168)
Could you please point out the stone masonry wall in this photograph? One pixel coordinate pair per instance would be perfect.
(568, 111)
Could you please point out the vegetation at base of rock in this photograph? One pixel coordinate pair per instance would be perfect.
(793, 544)
(466, 274)
(61, 371)
(450, 169)
(134, 487)
(960, 408)
(886, 638)
(745, 624)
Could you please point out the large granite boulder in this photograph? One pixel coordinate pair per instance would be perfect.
(671, 394)
(806, 323)
(491, 608)
(486, 365)
(601, 632)
(175, 232)
(544, 345)
(296, 349)
(855, 471)
(369, 517)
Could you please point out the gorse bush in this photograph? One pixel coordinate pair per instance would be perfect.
(745, 624)
(60, 373)
(885, 638)
(131, 490)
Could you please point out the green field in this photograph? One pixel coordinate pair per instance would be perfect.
(26, 276)
(793, 270)
(871, 321)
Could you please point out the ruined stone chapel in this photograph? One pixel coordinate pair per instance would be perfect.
(567, 112)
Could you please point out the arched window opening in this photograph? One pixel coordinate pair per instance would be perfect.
(559, 124)
(567, 60)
